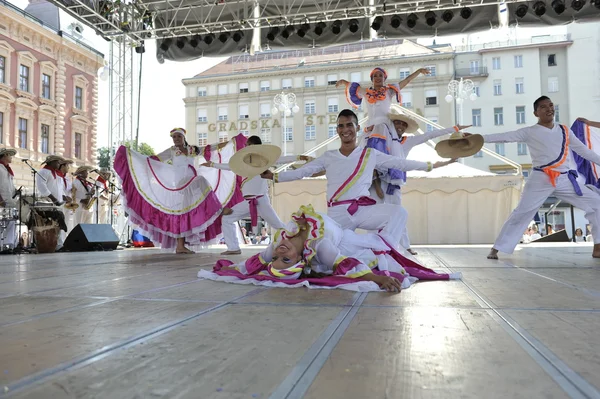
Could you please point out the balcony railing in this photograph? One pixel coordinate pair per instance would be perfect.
(470, 72)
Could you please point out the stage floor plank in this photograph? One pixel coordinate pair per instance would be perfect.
(139, 324)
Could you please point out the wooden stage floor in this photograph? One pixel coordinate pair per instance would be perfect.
(139, 324)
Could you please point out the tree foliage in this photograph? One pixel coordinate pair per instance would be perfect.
(105, 154)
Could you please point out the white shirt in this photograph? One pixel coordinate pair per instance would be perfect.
(340, 168)
(545, 145)
(48, 184)
(7, 187)
(81, 192)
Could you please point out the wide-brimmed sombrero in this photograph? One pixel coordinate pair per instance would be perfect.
(396, 114)
(459, 146)
(8, 151)
(252, 160)
(83, 168)
(52, 158)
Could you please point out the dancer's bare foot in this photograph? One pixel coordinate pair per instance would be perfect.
(493, 254)
(412, 251)
(596, 252)
(184, 250)
(238, 252)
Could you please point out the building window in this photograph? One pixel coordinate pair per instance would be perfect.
(406, 99)
(551, 59)
(474, 67)
(518, 61)
(309, 82)
(265, 85)
(476, 91)
(432, 70)
(77, 150)
(222, 111)
(22, 133)
(552, 84)
(23, 78)
(556, 113)
(286, 84)
(404, 73)
(265, 110)
(1, 127)
(243, 87)
(497, 87)
(496, 63)
(289, 135)
(203, 139)
(498, 117)
(356, 77)
(332, 104)
(244, 114)
(430, 97)
(265, 135)
(476, 114)
(519, 86)
(520, 115)
(78, 97)
(331, 131)
(500, 149)
(222, 90)
(202, 115)
(45, 139)
(46, 86)
(201, 91)
(310, 132)
(309, 107)
(521, 149)
(525, 173)
(431, 128)
(245, 133)
(223, 137)
(2, 69)
(478, 154)
(331, 80)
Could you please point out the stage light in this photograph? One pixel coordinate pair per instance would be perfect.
(411, 21)
(558, 6)
(166, 43)
(273, 32)
(336, 27)
(447, 15)
(539, 7)
(237, 36)
(353, 25)
(141, 49)
(208, 39)
(396, 21)
(466, 12)
(577, 4)
(430, 18)
(303, 30)
(195, 41)
(288, 31)
(521, 10)
(223, 37)
(320, 28)
(181, 42)
(376, 25)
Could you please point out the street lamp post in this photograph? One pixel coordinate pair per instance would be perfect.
(286, 104)
(461, 90)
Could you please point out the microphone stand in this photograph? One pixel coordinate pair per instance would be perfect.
(111, 193)
(33, 173)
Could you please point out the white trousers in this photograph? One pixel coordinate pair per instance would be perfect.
(242, 210)
(9, 235)
(389, 220)
(83, 215)
(394, 199)
(537, 189)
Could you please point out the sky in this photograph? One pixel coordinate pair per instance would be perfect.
(162, 92)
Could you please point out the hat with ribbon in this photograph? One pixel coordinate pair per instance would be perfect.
(396, 114)
(179, 130)
(83, 168)
(53, 158)
(252, 160)
(459, 146)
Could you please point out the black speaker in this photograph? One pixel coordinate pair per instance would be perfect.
(91, 237)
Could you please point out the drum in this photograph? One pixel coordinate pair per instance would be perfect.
(48, 215)
(46, 238)
(26, 202)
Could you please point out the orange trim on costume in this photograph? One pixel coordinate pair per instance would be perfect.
(456, 129)
(379, 136)
(549, 170)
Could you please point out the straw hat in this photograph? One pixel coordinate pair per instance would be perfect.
(66, 161)
(458, 146)
(52, 158)
(7, 151)
(252, 160)
(82, 169)
(396, 115)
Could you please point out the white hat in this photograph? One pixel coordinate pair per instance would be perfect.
(252, 160)
(7, 151)
(396, 114)
(458, 146)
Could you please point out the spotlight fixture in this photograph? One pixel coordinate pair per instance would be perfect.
(166, 43)
(353, 25)
(558, 6)
(396, 21)
(336, 27)
(447, 16)
(376, 25)
(288, 31)
(303, 30)
(411, 21)
(466, 12)
(273, 32)
(224, 36)
(195, 41)
(521, 10)
(237, 36)
(577, 4)
(181, 42)
(430, 18)
(208, 39)
(539, 7)
(140, 49)
(320, 28)
(597, 3)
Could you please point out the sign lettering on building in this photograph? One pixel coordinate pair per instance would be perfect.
(267, 123)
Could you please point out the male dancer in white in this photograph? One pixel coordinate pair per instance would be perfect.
(553, 174)
(401, 146)
(256, 195)
(7, 193)
(50, 183)
(84, 193)
(349, 172)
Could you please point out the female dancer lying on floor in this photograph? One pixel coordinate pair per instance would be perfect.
(313, 245)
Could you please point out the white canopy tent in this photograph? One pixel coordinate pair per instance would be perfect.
(456, 204)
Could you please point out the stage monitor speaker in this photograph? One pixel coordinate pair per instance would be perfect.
(91, 237)
(559, 236)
